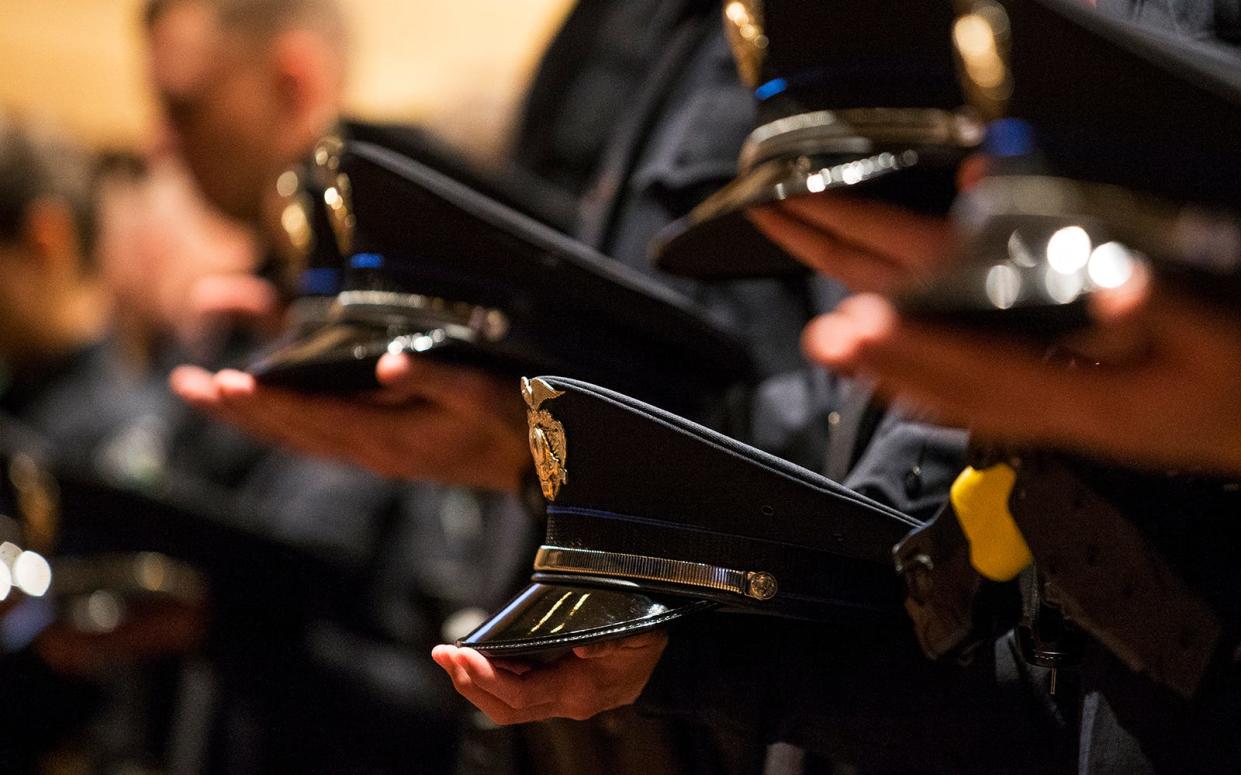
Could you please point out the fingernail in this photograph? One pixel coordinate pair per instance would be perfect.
(235, 383)
(393, 367)
(828, 339)
(190, 383)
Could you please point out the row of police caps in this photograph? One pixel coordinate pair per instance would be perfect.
(1109, 145)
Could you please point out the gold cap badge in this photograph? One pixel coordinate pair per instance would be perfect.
(547, 437)
(743, 23)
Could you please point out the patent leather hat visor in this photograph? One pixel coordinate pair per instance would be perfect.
(336, 357)
(553, 615)
(340, 355)
(717, 241)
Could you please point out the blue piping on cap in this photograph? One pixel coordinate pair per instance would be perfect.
(366, 261)
(1009, 137)
(319, 281)
(771, 88)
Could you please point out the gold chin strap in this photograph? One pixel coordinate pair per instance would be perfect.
(859, 130)
(757, 585)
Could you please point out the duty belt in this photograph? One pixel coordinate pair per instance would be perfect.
(1095, 564)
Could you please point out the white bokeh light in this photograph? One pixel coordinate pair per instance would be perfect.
(32, 574)
(1111, 265)
(1003, 286)
(1068, 250)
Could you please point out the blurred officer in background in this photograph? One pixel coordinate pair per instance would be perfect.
(68, 394)
(248, 89)
(59, 372)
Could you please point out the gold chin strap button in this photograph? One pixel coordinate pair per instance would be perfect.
(760, 585)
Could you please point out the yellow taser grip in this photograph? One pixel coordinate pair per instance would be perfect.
(980, 499)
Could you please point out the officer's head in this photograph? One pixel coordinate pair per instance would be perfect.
(247, 87)
(49, 293)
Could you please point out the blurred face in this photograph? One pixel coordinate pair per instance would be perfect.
(19, 296)
(219, 101)
(43, 303)
(158, 239)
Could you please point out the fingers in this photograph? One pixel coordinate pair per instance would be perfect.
(961, 376)
(825, 252)
(914, 242)
(575, 686)
(496, 709)
(395, 370)
(837, 339)
(623, 647)
(311, 424)
(1111, 306)
(456, 387)
(235, 385)
(195, 386)
(519, 692)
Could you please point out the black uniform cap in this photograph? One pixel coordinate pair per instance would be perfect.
(856, 96)
(315, 219)
(1110, 101)
(1113, 142)
(652, 517)
(438, 268)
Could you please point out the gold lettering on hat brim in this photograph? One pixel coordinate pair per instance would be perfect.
(548, 445)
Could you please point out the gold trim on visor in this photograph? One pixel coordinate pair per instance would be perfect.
(858, 130)
(757, 585)
(462, 319)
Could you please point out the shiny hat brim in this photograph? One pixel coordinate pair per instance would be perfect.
(717, 241)
(336, 357)
(553, 615)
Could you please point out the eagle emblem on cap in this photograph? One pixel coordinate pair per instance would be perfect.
(547, 437)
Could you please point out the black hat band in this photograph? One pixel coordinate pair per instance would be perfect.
(844, 564)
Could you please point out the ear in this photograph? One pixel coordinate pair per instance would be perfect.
(307, 73)
(51, 236)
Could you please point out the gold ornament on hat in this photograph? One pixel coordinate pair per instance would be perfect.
(980, 36)
(743, 22)
(547, 437)
(337, 191)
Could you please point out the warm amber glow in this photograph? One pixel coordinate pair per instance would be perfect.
(460, 68)
(975, 40)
